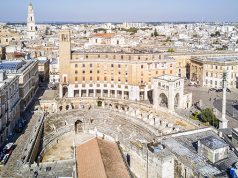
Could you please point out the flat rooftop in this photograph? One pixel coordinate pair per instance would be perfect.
(220, 59)
(49, 95)
(213, 143)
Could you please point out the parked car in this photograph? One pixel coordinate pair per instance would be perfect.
(192, 83)
(8, 148)
(219, 90)
(212, 89)
(6, 153)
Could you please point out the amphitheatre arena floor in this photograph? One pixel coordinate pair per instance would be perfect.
(63, 150)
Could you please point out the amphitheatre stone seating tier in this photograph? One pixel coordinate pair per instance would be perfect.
(122, 121)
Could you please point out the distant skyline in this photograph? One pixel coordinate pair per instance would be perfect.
(121, 10)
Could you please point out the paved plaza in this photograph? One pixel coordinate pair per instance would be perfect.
(213, 99)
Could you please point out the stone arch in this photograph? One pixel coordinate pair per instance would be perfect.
(78, 126)
(176, 100)
(65, 91)
(163, 100)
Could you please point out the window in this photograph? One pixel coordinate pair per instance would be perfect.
(216, 67)
(99, 56)
(83, 71)
(112, 65)
(65, 79)
(171, 65)
(163, 72)
(76, 72)
(98, 72)
(114, 57)
(141, 66)
(86, 56)
(97, 78)
(76, 65)
(121, 56)
(76, 79)
(91, 65)
(105, 78)
(91, 78)
(91, 71)
(83, 65)
(171, 71)
(207, 74)
(139, 57)
(83, 78)
(119, 65)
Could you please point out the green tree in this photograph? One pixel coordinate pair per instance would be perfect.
(207, 115)
(156, 33)
(170, 50)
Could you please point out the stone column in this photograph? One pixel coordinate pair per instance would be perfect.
(223, 121)
(87, 92)
(108, 93)
(80, 93)
(145, 95)
(101, 93)
(171, 96)
(94, 93)
(115, 93)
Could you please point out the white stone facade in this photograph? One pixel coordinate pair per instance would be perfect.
(168, 91)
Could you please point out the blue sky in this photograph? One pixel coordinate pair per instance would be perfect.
(121, 10)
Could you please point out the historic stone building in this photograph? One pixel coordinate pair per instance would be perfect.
(27, 71)
(208, 71)
(168, 91)
(9, 105)
(113, 75)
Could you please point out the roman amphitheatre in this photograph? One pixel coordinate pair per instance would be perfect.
(130, 124)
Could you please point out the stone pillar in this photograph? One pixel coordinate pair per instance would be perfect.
(108, 93)
(94, 93)
(171, 96)
(80, 93)
(115, 93)
(87, 92)
(101, 93)
(145, 94)
(155, 95)
(223, 121)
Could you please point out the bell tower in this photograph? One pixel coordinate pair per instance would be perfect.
(64, 60)
(31, 27)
